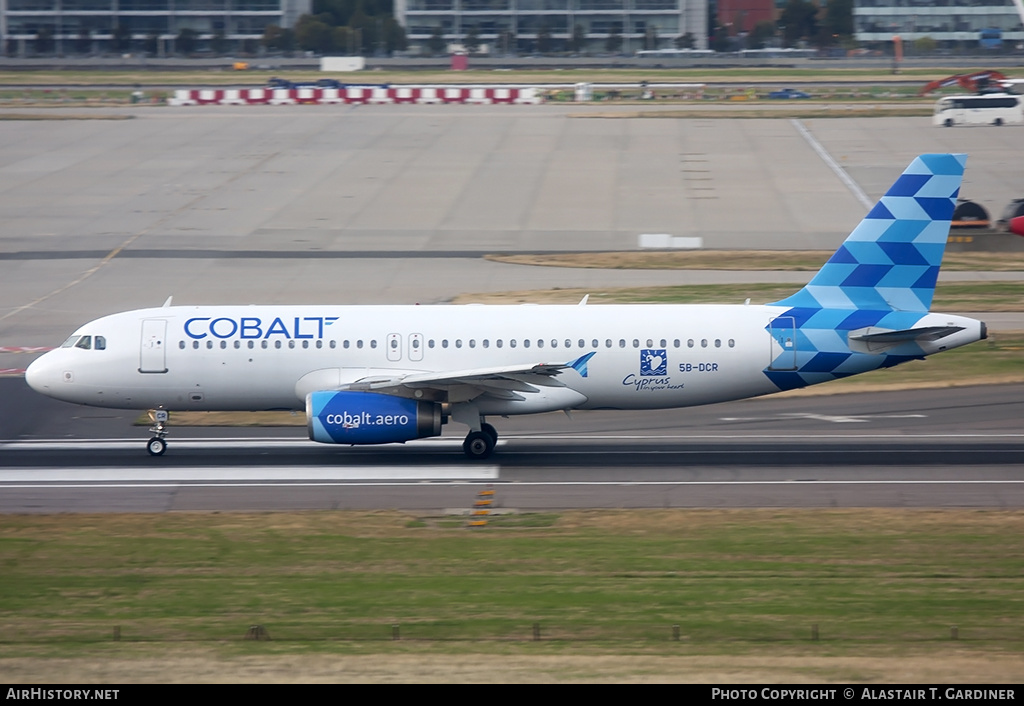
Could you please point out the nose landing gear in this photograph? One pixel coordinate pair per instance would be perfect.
(158, 444)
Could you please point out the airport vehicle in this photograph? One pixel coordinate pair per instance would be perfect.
(977, 82)
(674, 53)
(987, 109)
(382, 374)
(788, 93)
(275, 82)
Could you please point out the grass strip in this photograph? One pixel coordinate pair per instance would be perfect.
(949, 296)
(881, 74)
(790, 260)
(734, 581)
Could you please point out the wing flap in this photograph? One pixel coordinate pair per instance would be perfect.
(500, 382)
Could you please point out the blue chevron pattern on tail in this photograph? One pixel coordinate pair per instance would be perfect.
(882, 276)
(891, 260)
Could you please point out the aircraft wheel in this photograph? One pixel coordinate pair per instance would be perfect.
(491, 432)
(156, 446)
(949, 122)
(478, 445)
(997, 122)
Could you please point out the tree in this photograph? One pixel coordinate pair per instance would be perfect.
(336, 13)
(83, 44)
(436, 44)
(218, 43)
(578, 40)
(685, 41)
(185, 42)
(364, 28)
(925, 45)
(121, 39)
(394, 36)
(839, 18)
(271, 37)
(720, 40)
(311, 34)
(544, 43)
(763, 31)
(44, 40)
(472, 40)
(799, 20)
(344, 40)
(651, 37)
(151, 44)
(507, 42)
(278, 39)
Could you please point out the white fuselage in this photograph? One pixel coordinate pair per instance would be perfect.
(256, 357)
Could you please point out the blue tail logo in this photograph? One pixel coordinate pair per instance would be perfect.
(882, 277)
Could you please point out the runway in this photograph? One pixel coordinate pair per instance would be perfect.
(394, 204)
(929, 448)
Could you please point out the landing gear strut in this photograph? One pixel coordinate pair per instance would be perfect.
(158, 444)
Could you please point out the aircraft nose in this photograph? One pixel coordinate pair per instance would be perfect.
(39, 375)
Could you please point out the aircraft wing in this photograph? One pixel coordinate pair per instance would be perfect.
(505, 382)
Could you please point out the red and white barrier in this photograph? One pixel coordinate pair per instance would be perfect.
(25, 349)
(479, 95)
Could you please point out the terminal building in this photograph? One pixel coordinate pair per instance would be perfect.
(950, 22)
(522, 26)
(83, 26)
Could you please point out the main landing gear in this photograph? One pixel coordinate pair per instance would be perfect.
(482, 437)
(480, 444)
(158, 444)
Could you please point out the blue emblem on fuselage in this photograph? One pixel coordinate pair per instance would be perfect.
(653, 362)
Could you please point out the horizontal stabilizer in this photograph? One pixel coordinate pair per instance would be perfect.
(876, 340)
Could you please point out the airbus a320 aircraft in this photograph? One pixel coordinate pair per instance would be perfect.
(383, 374)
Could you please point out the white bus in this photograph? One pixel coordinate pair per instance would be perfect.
(988, 109)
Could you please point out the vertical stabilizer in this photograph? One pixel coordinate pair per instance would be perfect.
(868, 306)
(892, 259)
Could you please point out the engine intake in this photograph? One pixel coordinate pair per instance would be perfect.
(369, 418)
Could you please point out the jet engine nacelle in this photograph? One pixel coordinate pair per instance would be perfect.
(369, 418)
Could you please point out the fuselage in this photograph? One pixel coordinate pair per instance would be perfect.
(271, 357)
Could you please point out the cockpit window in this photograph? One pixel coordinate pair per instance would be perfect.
(86, 342)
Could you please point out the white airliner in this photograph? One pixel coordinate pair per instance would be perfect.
(383, 374)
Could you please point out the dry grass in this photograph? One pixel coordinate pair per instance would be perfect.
(466, 664)
(63, 116)
(895, 533)
(803, 111)
(789, 260)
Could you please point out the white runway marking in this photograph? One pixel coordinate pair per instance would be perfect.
(853, 186)
(834, 418)
(212, 443)
(281, 474)
(514, 484)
